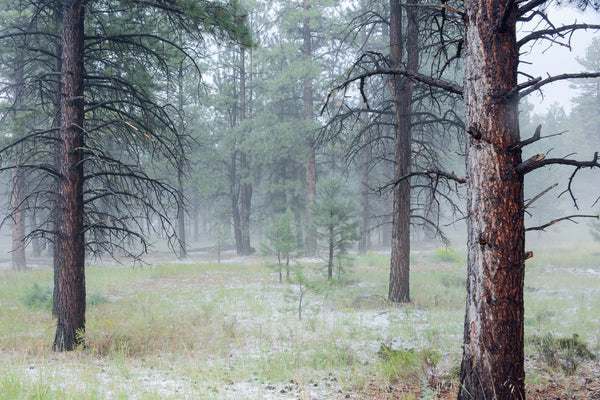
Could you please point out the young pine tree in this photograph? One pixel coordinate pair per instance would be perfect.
(334, 222)
(282, 240)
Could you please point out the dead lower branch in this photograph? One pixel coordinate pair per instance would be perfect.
(415, 76)
(537, 83)
(545, 33)
(529, 164)
(530, 202)
(536, 136)
(432, 174)
(567, 218)
(438, 6)
(529, 6)
(539, 161)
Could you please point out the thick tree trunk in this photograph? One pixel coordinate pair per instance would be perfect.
(402, 88)
(310, 242)
(56, 124)
(70, 306)
(493, 361)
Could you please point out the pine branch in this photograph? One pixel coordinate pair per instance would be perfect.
(415, 76)
(541, 34)
(539, 161)
(567, 218)
(535, 84)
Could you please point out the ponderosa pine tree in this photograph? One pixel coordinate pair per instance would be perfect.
(493, 363)
(69, 238)
(103, 191)
(402, 92)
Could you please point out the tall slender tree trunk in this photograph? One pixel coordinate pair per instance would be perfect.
(364, 242)
(70, 234)
(493, 360)
(330, 254)
(234, 187)
(235, 211)
(245, 184)
(56, 125)
(19, 261)
(402, 89)
(196, 220)
(310, 245)
(246, 205)
(180, 167)
(36, 245)
(181, 211)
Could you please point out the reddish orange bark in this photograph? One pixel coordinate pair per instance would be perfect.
(70, 280)
(493, 359)
(402, 89)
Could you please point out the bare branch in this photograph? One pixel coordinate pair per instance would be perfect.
(537, 83)
(530, 202)
(431, 174)
(438, 6)
(43, 167)
(568, 218)
(415, 76)
(529, 164)
(554, 31)
(539, 161)
(534, 138)
(529, 7)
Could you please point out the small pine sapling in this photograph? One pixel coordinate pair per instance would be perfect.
(282, 241)
(334, 223)
(220, 238)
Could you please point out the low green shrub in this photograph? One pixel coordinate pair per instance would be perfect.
(453, 281)
(448, 255)
(38, 297)
(96, 299)
(566, 353)
(408, 364)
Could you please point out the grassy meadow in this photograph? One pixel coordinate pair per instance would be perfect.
(202, 330)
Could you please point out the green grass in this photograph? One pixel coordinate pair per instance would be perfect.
(181, 330)
(448, 255)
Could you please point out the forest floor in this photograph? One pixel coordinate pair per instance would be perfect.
(197, 329)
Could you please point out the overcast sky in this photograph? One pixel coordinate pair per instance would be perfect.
(556, 59)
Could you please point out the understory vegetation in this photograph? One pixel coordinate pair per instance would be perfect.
(204, 330)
